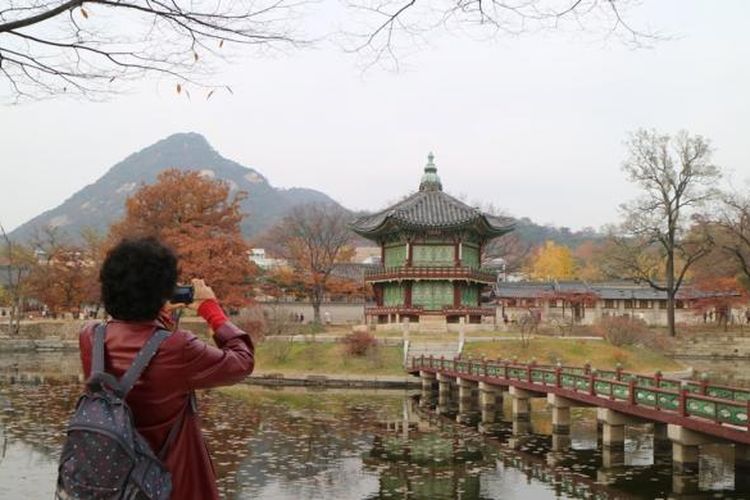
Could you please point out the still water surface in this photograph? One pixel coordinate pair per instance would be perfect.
(300, 444)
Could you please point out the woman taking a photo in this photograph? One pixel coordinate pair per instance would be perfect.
(138, 278)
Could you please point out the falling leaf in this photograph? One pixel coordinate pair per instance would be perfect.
(229, 89)
(221, 43)
(84, 13)
(112, 79)
(209, 95)
(195, 56)
(179, 88)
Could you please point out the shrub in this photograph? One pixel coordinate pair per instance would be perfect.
(279, 349)
(359, 343)
(622, 331)
(253, 321)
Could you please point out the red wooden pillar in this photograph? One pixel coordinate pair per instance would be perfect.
(382, 255)
(456, 294)
(377, 289)
(456, 257)
(409, 254)
(407, 294)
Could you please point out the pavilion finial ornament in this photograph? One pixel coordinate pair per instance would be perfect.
(430, 179)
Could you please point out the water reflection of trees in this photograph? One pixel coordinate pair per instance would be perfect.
(357, 445)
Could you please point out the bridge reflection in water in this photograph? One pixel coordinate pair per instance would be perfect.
(683, 418)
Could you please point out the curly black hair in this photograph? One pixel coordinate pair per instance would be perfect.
(138, 277)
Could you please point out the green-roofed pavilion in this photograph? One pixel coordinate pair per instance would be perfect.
(431, 246)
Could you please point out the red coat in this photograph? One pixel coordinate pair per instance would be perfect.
(183, 363)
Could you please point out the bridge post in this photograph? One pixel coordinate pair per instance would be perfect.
(560, 421)
(491, 404)
(467, 401)
(521, 408)
(662, 445)
(686, 445)
(445, 394)
(613, 435)
(742, 467)
(428, 383)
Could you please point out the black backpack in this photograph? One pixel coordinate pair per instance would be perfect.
(104, 456)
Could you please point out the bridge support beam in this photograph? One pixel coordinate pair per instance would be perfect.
(686, 448)
(662, 444)
(468, 401)
(491, 406)
(446, 402)
(560, 421)
(742, 467)
(428, 385)
(613, 435)
(521, 410)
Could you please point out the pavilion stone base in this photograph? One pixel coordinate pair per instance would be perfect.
(434, 324)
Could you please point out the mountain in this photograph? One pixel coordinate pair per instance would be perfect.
(100, 204)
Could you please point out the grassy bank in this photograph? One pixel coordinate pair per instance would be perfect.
(599, 353)
(330, 358)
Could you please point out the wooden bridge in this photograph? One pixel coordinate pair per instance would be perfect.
(685, 414)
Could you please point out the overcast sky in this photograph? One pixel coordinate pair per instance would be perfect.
(534, 125)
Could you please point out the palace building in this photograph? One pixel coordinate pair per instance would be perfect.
(431, 248)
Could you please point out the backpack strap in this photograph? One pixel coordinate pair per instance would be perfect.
(189, 407)
(142, 359)
(97, 358)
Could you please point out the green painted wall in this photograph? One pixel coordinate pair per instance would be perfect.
(469, 256)
(469, 295)
(393, 294)
(432, 295)
(433, 255)
(395, 256)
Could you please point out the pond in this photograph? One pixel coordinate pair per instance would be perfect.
(344, 444)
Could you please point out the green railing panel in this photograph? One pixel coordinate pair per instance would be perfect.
(602, 388)
(732, 414)
(606, 375)
(645, 381)
(669, 401)
(669, 385)
(537, 375)
(517, 373)
(620, 392)
(701, 408)
(645, 397)
(582, 383)
(550, 378)
(567, 380)
(720, 392)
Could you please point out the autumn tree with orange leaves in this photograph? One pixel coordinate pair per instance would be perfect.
(199, 219)
(313, 238)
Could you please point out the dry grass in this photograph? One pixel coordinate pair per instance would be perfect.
(599, 353)
(329, 358)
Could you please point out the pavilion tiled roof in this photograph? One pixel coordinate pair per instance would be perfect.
(431, 208)
(611, 290)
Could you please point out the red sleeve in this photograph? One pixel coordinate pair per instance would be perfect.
(211, 311)
(230, 362)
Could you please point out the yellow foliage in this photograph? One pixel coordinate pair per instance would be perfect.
(552, 262)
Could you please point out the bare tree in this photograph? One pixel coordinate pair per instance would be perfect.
(656, 244)
(390, 26)
(313, 238)
(90, 47)
(19, 261)
(49, 47)
(733, 221)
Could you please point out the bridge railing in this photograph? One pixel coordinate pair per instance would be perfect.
(719, 404)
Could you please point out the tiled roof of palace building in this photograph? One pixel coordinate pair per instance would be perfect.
(612, 290)
(430, 208)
